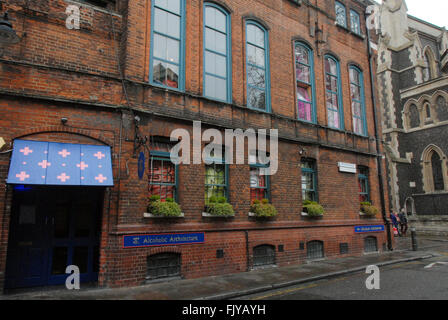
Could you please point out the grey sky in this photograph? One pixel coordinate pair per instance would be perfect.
(432, 11)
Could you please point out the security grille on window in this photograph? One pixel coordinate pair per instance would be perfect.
(315, 250)
(370, 244)
(163, 265)
(264, 255)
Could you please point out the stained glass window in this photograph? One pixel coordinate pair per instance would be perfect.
(355, 22)
(333, 97)
(341, 14)
(357, 97)
(305, 82)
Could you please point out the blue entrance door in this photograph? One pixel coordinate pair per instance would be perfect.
(52, 228)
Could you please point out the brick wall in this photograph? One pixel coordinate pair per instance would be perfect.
(54, 72)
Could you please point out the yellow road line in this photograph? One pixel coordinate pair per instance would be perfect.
(278, 293)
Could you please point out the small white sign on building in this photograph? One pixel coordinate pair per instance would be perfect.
(347, 167)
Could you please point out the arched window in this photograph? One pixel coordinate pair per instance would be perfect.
(305, 82)
(167, 43)
(426, 69)
(358, 101)
(315, 249)
(370, 244)
(441, 108)
(437, 175)
(333, 93)
(414, 117)
(434, 169)
(264, 255)
(429, 70)
(257, 67)
(217, 53)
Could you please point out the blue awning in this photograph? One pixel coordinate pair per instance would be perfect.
(50, 163)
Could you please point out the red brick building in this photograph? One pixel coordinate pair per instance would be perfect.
(135, 71)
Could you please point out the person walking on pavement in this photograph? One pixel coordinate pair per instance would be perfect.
(393, 218)
(403, 222)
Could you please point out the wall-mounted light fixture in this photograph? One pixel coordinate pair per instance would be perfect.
(7, 33)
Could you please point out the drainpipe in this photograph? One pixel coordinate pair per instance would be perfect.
(377, 140)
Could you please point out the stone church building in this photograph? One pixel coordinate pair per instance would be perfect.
(413, 92)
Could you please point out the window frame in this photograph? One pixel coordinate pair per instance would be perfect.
(339, 93)
(314, 173)
(267, 88)
(340, 4)
(267, 192)
(182, 24)
(218, 161)
(228, 52)
(312, 83)
(362, 100)
(355, 13)
(165, 156)
(365, 179)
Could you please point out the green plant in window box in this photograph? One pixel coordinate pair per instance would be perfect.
(313, 208)
(263, 209)
(368, 209)
(167, 208)
(218, 206)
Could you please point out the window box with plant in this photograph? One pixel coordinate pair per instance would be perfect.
(262, 209)
(163, 208)
(218, 207)
(367, 209)
(312, 209)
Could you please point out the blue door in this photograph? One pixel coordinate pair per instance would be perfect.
(52, 228)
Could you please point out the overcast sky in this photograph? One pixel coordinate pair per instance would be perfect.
(432, 11)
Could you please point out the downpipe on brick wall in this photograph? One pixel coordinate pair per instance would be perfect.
(377, 142)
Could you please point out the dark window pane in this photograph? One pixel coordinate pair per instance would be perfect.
(437, 172)
(61, 222)
(83, 217)
(81, 258)
(59, 261)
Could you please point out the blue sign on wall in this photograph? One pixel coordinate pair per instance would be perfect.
(364, 229)
(141, 165)
(149, 240)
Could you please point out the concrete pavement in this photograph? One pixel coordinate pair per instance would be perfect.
(246, 283)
